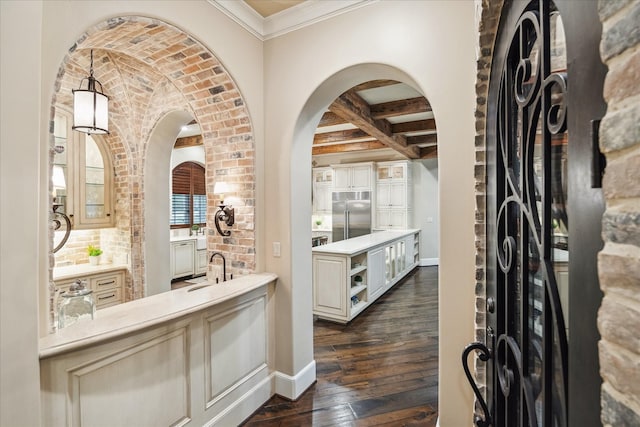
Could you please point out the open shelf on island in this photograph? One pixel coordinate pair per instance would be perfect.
(355, 290)
(357, 270)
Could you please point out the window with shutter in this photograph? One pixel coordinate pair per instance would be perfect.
(188, 196)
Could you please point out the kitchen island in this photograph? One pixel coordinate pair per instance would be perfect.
(198, 355)
(351, 274)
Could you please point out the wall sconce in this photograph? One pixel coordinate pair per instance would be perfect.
(224, 213)
(90, 106)
(59, 218)
(58, 180)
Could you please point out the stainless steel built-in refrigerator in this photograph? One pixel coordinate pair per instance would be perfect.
(351, 214)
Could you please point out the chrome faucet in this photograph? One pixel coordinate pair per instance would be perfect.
(224, 265)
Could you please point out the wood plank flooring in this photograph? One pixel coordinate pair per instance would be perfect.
(379, 370)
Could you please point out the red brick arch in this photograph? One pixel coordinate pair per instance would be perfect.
(150, 68)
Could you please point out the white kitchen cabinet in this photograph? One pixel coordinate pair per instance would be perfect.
(182, 258)
(329, 284)
(201, 262)
(353, 177)
(322, 189)
(394, 201)
(351, 274)
(391, 195)
(108, 287)
(391, 219)
(340, 285)
(376, 272)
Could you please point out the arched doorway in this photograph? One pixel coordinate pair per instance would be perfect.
(303, 136)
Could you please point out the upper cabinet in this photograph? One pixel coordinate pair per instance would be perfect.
(322, 188)
(82, 176)
(353, 177)
(393, 195)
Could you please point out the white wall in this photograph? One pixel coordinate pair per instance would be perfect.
(429, 45)
(21, 228)
(187, 154)
(426, 206)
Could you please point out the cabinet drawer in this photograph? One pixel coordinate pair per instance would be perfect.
(105, 282)
(108, 298)
(64, 286)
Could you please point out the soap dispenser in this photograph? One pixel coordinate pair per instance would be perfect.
(77, 304)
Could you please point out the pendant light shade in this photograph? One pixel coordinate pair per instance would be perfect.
(90, 106)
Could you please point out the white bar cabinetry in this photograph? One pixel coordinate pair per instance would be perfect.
(351, 274)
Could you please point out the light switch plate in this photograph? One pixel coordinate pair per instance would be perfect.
(276, 249)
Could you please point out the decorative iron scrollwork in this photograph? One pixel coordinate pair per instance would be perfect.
(485, 355)
(58, 219)
(526, 385)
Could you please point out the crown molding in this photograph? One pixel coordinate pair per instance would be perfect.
(299, 16)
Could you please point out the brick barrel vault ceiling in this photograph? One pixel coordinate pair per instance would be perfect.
(149, 68)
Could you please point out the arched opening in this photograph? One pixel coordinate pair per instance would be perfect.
(152, 95)
(302, 159)
(157, 183)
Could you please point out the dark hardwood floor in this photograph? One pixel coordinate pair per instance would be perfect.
(379, 370)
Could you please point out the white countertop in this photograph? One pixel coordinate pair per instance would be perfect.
(362, 243)
(79, 270)
(121, 319)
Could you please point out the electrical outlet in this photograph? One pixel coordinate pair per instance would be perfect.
(276, 249)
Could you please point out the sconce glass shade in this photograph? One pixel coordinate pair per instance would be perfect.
(221, 188)
(90, 106)
(57, 178)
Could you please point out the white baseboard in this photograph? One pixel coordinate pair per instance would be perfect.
(426, 262)
(292, 387)
(244, 407)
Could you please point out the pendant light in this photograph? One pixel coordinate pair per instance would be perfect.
(90, 106)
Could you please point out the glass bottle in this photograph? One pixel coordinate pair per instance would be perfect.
(76, 304)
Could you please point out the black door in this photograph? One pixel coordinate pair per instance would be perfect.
(544, 210)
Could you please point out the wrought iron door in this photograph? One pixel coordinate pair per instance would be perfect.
(535, 160)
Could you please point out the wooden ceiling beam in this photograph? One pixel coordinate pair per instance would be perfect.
(429, 152)
(351, 107)
(400, 108)
(422, 139)
(331, 119)
(188, 141)
(428, 125)
(343, 148)
(374, 84)
(338, 136)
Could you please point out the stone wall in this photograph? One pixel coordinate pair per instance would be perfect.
(488, 16)
(619, 261)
